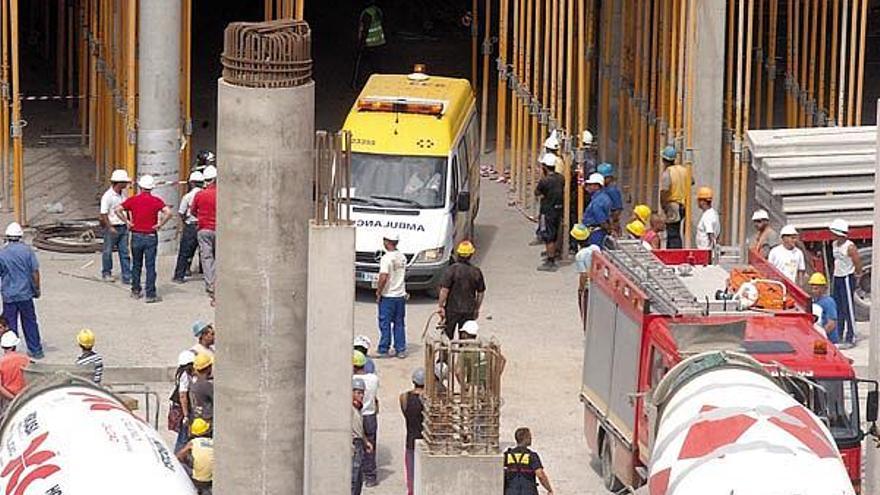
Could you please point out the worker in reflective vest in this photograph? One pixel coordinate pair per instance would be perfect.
(371, 37)
(523, 468)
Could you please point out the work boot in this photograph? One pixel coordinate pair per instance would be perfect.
(108, 278)
(137, 295)
(154, 299)
(549, 265)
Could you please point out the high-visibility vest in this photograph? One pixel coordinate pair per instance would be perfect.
(677, 184)
(375, 33)
(203, 459)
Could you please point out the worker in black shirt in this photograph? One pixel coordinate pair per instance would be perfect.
(411, 407)
(523, 468)
(461, 290)
(549, 190)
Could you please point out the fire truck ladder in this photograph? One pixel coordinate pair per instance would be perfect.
(667, 294)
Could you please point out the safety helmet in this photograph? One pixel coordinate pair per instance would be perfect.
(579, 232)
(14, 230)
(465, 249)
(199, 427)
(668, 153)
(358, 359)
(839, 226)
(85, 338)
(202, 361)
(362, 341)
(9, 340)
(418, 377)
(643, 213)
(548, 160)
(788, 230)
(596, 178)
(552, 142)
(391, 235)
(358, 384)
(199, 327)
(818, 279)
(210, 172)
(704, 193)
(186, 358)
(760, 215)
(606, 169)
(636, 228)
(205, 158)
(119, 175)
(147, 182)
(470, 327)
(196, 176)
(587, 138)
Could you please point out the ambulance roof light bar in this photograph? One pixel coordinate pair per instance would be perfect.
(401, 105)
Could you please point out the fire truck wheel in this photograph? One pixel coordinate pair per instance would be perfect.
(606, 465)
(862, 299)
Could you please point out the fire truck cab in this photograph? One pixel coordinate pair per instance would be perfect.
(649, 310)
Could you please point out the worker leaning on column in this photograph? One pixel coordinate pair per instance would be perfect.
(673, 187)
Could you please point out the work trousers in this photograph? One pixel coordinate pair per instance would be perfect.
(12, 311)
(207, 240)
(409, 461)
(119, 241)
(371, 428)
(143, 252)
(392, 324)
(843, 290)
(357, 471)
(189, 242)
(182, 436)
(454, 321)
(673, 232)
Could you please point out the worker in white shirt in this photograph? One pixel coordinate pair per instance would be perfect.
(115, 228)
(847, 272)
(369, 411)
(709, 227)
(189, 241)
(391, 296)
(787, 258)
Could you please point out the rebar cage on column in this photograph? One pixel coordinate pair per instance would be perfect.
(272, 54)
(332, 178)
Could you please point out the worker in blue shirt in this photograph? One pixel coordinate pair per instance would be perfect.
(613, 192)
(20, 285)
(824, 307)
(597, 215)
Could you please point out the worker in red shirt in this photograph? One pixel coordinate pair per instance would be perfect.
(12, 365)
(204, 208)
(148, 214)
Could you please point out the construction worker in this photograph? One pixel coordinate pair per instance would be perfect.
(204, 208)
(549, 190)
(88, 358)
(523, 468)
(824, 307)
(587, 141)
(787, 257)
(656, 227)
(360, 445)
(412, 408)
(180, 411)
(12, 365)
(204, 159)
(148, 214)
(205, 336)
(642, 213)
(709, 226)
(765, 238)
(115, 228)
(597, 215)
(582, 261)
(369, 411)
(551, 147)
(673, 187)
(363, 344)
(391, 297)
(614, 194)
(461, 290)
(847, 272)
(20, 285)
(198, 456)
(188, 228)
(370, 40)
(201, 390)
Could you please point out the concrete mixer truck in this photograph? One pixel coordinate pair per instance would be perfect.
(65, 436)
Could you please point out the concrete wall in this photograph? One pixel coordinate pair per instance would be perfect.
(460, 474)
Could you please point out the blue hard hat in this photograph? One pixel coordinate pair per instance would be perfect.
(606, 169)
(668, 153)
(199, 327)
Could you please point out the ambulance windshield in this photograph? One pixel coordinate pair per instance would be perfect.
(839, 406)
(398, 181)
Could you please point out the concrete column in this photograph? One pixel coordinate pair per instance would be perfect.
(709, 99)
(265, 139)
(158, 137)
(328, 360)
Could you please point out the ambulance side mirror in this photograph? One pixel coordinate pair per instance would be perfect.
(463, 203)
(871, 407)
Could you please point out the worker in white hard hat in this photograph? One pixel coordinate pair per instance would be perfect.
(391, 297)
(115, 228)
(549, 191)
(551, 147)
(12, 365)
(765, 237)
(787, 257)
(188, 229)
(204, 208)
(88, 357)
(148, 214)
(181, 411)
(363, 344)
(847, 273)
(20, 285)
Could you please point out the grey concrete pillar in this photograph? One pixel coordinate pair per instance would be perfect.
(328, 360)
(158, 138)
(265, 139)
(709, 100)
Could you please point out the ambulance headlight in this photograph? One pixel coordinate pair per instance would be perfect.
(430, 255)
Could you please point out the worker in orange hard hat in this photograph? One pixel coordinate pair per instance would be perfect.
(709, 227)
(461, 290)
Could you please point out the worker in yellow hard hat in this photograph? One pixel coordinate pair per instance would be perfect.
(709, 226)
(197, 456)
(88, 358)
(642, 213)
(824, 307)
(462, 288)
(201, 391)
(580, 233)
(369, 411)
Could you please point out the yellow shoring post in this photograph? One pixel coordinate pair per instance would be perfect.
(4, 101)
(759, 72)
(811, 80)
(82, 72)
(475, 43)
(186, 90)
(650, 159)
(832, 78)
(560, 63)
(514, 100)
(727, 143)
(823, 35)
(860, 78)
(795, 63)
(581, 96)
(545, 69)
(671, 132)
(789, 59)
(554, 58)
(300, 12)
(737, 137)
(131, 88)
(663, 81)
(537, 55)
(119, 35)
(569, 127)
(841, 87)
(267, 10)
(484, 93)
(525, 119)
(744, 169)
(805, 62)
(19, 205)
(604, 56)
(644, 153)
(633, 163)
(689, 40)
(771, 63)
(851, 90)
(621, 88)
(91, 92)
(501, 119)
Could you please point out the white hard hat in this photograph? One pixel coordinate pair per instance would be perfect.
(210, 172)
(839, 226)
(470, 327)
(146, 182)
(587, 138)
(596, 179)
(119, 175)
(196, 176)
(552, 142)
(760, 215)
(9, 340)
(391, 235)
(362, 341)
(185, 358)
(14, 230)
(788, 230)
(548, 160)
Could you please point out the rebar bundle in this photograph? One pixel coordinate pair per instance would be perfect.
(332, 178)
(272, 54)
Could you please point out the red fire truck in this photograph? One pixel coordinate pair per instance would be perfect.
(649, 310)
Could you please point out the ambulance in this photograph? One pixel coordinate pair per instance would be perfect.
(414, 171)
